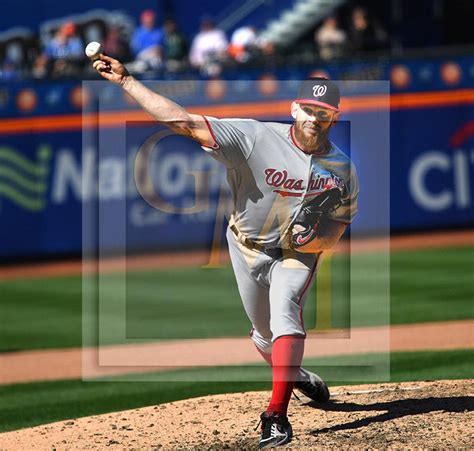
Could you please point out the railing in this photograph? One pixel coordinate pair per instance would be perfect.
(232, 15)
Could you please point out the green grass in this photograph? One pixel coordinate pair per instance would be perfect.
(25, 405)
(40, 313)
(429, 285)
(433, 285)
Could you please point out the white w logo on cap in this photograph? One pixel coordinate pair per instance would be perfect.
(319, 90)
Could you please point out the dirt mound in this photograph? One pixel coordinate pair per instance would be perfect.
(417, 414)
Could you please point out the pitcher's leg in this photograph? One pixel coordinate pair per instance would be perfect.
(255, 296)
(264, 345)
(290, 281)
(287, 285)
(287, 355)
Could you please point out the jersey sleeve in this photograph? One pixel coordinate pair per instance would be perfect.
(234, 140)
(348, 209)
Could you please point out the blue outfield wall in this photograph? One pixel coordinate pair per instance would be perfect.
(47, 177)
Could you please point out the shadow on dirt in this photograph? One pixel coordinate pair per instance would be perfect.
(248, 444)
(393, 410)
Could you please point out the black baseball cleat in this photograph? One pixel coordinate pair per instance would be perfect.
(312, 386)
(276, 430)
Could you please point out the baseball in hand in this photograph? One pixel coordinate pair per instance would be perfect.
(93, 50)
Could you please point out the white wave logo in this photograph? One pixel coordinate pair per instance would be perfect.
(319, 90)
(23, 181)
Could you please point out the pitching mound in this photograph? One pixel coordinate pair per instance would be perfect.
(416, 414)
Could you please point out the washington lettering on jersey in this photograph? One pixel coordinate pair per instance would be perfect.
(317, 183)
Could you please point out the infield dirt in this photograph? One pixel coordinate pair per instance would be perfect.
(435, 414)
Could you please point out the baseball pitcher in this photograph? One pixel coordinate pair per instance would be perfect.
(294, 194)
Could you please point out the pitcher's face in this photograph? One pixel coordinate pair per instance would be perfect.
(312, 124)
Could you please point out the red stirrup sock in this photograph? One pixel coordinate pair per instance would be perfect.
(287, 354)
(266, 356)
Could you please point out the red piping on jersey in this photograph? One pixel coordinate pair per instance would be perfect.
(292, 194)
(216, 144)
(305, 287)
(308, 281)
(302, 321)
(287, 193)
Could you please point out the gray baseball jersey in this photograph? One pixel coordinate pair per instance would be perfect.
(270, 178)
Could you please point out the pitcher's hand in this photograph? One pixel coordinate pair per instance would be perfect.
(111, 69)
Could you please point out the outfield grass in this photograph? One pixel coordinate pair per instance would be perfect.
(428, 285)
(25, 405)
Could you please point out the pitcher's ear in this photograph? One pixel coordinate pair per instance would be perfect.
(335, 118)
(294, 109)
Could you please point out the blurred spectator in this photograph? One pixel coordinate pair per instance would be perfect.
(10, 70)
(243, 44)
(40, 67)
(268, 48)
(115, 45)
(65, 44)
(66, 51)
(14, 60)
(208, 46)
(365, 34)
(147, 43)
(330, 39)
(176, 46)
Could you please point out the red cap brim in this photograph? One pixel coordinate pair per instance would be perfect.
(315, 102)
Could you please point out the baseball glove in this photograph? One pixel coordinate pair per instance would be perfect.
(304, 227)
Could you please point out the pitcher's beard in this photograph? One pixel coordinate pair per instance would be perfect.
(313, 143)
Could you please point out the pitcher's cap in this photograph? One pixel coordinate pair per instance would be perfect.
(319, 91)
